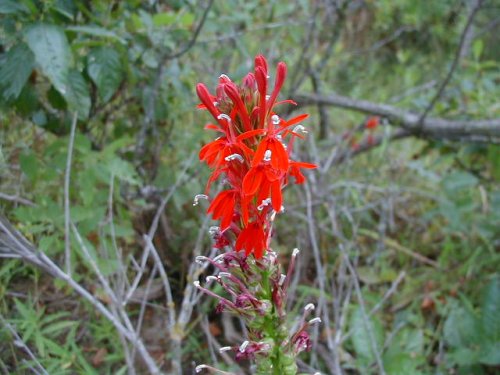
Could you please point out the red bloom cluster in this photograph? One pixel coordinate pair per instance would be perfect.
(252, 154)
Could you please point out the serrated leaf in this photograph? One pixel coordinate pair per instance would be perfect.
(52, 53)
(77, 95)
(12, 7)
(361, 337)
(15, 69)
(105, 69)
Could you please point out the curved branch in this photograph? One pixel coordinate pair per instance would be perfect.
(438, 128)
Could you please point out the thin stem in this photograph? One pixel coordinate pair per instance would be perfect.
(67, 180)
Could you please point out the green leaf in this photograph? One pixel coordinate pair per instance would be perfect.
(461, 328)
(458, 181)
(96, 31)
(490, 353)
(477, 48)
(12, 7)
(105, 69)
(490, 310)
(29, 165)
(361, 336)
(15, 69)
(52, 53)
(77, 95)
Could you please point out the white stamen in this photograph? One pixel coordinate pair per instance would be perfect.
(225, 117)
(210, 279)
(196, 283)
(225, 349)
(295, 252)
(244, 346)
(282, 280)
(265, 202)
(224, 274)
(300, 128)
(219, 258)
(268, 97)
(268, 76)
(315, 320)
(213, 230)
(282, 209)
(200, 259)
(197, 198)
(199, 368)
(234, 156)
(216, 104)
(309, 307)
(267, 155)
(224, 76)
(275, 119)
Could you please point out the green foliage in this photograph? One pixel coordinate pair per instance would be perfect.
(474, 336)
(137, 128)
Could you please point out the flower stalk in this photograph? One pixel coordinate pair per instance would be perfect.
(253, 158)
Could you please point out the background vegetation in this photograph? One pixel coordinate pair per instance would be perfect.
(398, 228)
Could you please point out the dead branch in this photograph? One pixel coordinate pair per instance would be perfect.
(432, 127)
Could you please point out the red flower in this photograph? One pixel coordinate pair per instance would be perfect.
(252, 239)
(223, 207)
(295, 170)
(252, 154)
(372, 122)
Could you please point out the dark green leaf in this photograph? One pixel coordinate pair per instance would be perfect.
(77, 95)
(12, 7)
(52, 53)
(15, 69)
(105, 69)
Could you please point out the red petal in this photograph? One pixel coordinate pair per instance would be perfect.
(252, 180)
(276, 198)
(249, 134)
(259, 154)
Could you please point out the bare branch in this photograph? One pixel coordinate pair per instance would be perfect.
(478, 130)
(454, 64)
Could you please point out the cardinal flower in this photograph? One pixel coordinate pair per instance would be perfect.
(252, 154)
